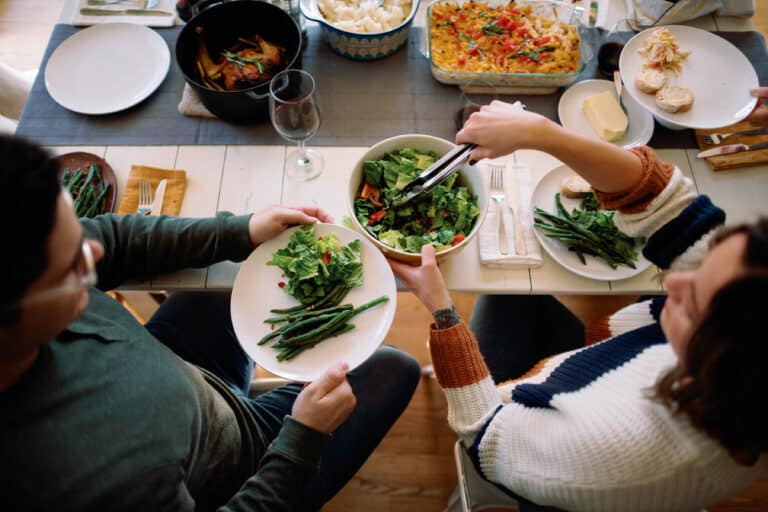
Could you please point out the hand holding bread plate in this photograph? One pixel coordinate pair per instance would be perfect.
(716, 73)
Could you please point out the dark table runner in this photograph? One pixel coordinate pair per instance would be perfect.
(362, 102)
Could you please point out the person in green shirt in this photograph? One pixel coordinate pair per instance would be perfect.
(98, 412)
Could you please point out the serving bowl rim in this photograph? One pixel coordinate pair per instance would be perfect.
(372, 153)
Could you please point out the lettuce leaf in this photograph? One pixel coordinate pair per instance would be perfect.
(315, 265)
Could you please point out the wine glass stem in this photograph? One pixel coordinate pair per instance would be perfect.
(303, 159)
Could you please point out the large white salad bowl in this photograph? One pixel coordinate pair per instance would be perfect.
(469, 175)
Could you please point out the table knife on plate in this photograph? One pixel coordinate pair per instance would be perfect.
(157, 203)
(512, 193)
(732, 148)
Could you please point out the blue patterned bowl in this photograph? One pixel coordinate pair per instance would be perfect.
(358, 46)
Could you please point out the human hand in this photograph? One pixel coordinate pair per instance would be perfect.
(273, 220)
(326, 403)
(500, 128)
(760, 114)
(425, 281)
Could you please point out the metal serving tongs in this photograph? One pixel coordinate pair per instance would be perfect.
(435, 173)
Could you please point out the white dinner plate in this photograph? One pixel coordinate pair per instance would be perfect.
(256, 290)
(639, 131)
(596, 268)
(718, 74)
(107, 68)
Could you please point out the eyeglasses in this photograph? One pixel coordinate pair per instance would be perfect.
(85, 277)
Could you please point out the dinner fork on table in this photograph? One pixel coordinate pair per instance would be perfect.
(497, 194)
(145, 197)
(717, 138)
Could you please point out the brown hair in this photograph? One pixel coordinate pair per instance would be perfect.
(719, 381)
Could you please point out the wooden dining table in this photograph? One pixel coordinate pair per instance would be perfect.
(243, 179)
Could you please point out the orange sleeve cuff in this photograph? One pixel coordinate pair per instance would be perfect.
(656, 175)
(456, 357)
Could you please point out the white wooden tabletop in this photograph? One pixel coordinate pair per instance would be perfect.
(244, 179)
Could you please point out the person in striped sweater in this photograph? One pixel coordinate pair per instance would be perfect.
(660, 414)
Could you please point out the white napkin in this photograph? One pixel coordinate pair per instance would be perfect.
(190, 104)
(488, 239)
(169, 6)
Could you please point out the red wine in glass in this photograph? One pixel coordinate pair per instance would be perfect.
(608, 58)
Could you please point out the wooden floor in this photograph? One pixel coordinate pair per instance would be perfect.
(412, 470)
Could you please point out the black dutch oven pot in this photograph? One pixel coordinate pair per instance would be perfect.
(223, 22)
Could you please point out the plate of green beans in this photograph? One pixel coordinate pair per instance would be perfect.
(90, 181)
(299, 337)
(581, 237)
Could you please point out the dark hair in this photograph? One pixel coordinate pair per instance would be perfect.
(719, 378)
(28, 190)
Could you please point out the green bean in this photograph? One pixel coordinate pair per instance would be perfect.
(65, 177)
(75, 178)
(336, 320)
(290, 352)
(98, 200)
(303, 314)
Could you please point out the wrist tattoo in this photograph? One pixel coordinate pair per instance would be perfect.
(445, 318)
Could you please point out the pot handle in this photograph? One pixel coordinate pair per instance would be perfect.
(258, 97)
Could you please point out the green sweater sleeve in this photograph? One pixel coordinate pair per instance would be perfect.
(141, 247)
(289, 462)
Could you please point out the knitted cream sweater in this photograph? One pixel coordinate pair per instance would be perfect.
(578, 431)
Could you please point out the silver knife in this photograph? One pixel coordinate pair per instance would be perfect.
(512, 193)
(732, 148)
(92, 11)
(157, 202)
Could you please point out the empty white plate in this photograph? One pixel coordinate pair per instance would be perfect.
(639, 131)
(107, 68)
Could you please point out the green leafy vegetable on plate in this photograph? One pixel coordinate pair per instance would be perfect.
(317, 266)
(587, 230)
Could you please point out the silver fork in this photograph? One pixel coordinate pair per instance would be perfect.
(717, 138)
(145, 197)
(497, 194)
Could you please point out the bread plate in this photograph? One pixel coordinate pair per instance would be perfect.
(718, 74)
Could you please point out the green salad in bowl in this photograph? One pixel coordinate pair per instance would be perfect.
(444, 217)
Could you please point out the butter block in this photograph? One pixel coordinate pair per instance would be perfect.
(606, 116)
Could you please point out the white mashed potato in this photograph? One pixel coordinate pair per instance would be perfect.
(364, 16)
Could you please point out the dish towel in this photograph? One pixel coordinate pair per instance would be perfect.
(174, 189)
(190, 104)
(81, 20)
(488, 239)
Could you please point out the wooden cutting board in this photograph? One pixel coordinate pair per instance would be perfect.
(742, 159)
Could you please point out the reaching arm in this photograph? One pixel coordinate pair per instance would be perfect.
(501, 128)
(140, 247)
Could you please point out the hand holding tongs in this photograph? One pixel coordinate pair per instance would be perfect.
(436, 173)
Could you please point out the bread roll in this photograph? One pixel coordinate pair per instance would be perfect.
(650, 80)
(575, 187)
(675, 99)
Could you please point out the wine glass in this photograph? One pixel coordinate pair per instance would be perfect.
(474, 94)
(295, 114)
(611, 46)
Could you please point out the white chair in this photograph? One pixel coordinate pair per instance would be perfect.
(475, 493)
